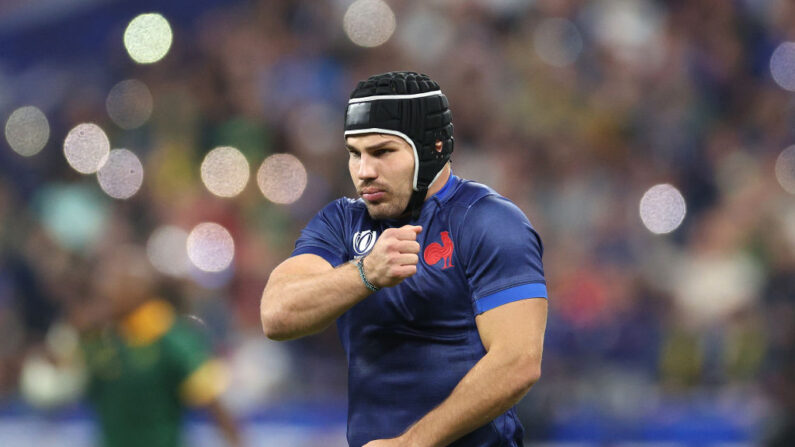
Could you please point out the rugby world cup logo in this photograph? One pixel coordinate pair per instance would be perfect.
(363, 242)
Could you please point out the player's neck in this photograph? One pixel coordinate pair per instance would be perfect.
(440, 181)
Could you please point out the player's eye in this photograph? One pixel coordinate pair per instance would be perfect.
(381, 152)
(354, 154)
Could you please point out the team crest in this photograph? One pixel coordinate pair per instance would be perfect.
(363, 242)
(436, 252)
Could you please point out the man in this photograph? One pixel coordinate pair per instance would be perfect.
(428, 276)
(145, 365)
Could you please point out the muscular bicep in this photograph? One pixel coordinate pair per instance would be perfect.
(299, 265)
(516, 327)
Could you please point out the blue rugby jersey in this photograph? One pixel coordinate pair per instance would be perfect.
(408, 346)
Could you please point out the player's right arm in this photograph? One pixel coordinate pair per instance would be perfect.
(305, 294)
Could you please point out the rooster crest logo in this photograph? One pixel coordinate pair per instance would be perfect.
(435, 252)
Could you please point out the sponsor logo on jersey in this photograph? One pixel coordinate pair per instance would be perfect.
(363, 242)
(436, 252)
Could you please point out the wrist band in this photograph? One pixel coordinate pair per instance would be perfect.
(368, 284)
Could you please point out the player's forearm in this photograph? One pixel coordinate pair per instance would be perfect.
(299, 305)
(226, 424)
(495, 384)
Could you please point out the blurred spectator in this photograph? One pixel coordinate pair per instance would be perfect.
(145, 364)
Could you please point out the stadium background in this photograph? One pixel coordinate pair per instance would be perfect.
(672, 318)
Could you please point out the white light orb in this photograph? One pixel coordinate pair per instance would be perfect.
(27, 131)
(282, 178)
(662, 209)
(46, 385)
(167, 251)
(148, 38)
(782, 65)
(129, 104)
(122, 175)
(785, 169)
(369, 23)
(710, 288)
(225, 171)
(86, 148)
(259, 369)
(210, 247)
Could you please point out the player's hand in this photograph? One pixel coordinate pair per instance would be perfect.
(394, 256)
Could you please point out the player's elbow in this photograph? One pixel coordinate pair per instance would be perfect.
(530, 377)
(273, 319)
(528, 372)
(273, 325)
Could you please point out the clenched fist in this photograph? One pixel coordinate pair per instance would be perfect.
(394, 256)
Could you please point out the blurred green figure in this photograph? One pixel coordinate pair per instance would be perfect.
(145, 365)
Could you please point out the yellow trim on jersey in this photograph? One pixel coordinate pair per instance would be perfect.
(147, 323)
(205, 384)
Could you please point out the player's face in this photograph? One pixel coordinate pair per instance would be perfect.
(124, 280)
(382, 170)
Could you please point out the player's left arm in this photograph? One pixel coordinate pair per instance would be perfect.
(513, 335)
(501, 254)
(202, 378)
(203, 389)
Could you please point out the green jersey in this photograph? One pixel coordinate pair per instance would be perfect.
(143, 372)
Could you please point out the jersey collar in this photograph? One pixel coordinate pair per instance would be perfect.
(447, 190)
(440, 197)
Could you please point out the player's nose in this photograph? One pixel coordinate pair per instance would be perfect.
(367, 168)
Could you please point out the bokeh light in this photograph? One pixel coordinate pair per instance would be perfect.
(210, 247)
(631, 29)
(315, 127)
(27, 131)
(45, 384)
(148, 38)
(710, 288)
(426, 34)
(129, 104)
(122, 175)
(785, 169)
(259, 368)
(369, 23)
(782, 65)
(73, 214)
(225, 171)
(662, 209)
(167, 250)
(557, 42)
(86, 148)
(282, 178)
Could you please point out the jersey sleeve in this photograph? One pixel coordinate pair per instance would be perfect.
(502, 253)
(200, 377)
(323, 235)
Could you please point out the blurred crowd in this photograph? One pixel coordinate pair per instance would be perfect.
(572, 109)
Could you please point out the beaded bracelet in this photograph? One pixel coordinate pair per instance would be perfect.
(368, 284)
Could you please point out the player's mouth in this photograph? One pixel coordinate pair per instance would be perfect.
(372, 194)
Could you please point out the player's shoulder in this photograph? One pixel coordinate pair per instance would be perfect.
(468, 192)
(471, 194)
(476, 202)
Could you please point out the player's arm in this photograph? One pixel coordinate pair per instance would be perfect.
(205, 382)
(226, 423)
(305, 294)
(513, 335)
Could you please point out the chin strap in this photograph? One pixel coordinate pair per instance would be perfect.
(415, 202)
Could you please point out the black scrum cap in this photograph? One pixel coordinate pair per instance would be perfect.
(411, 106)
